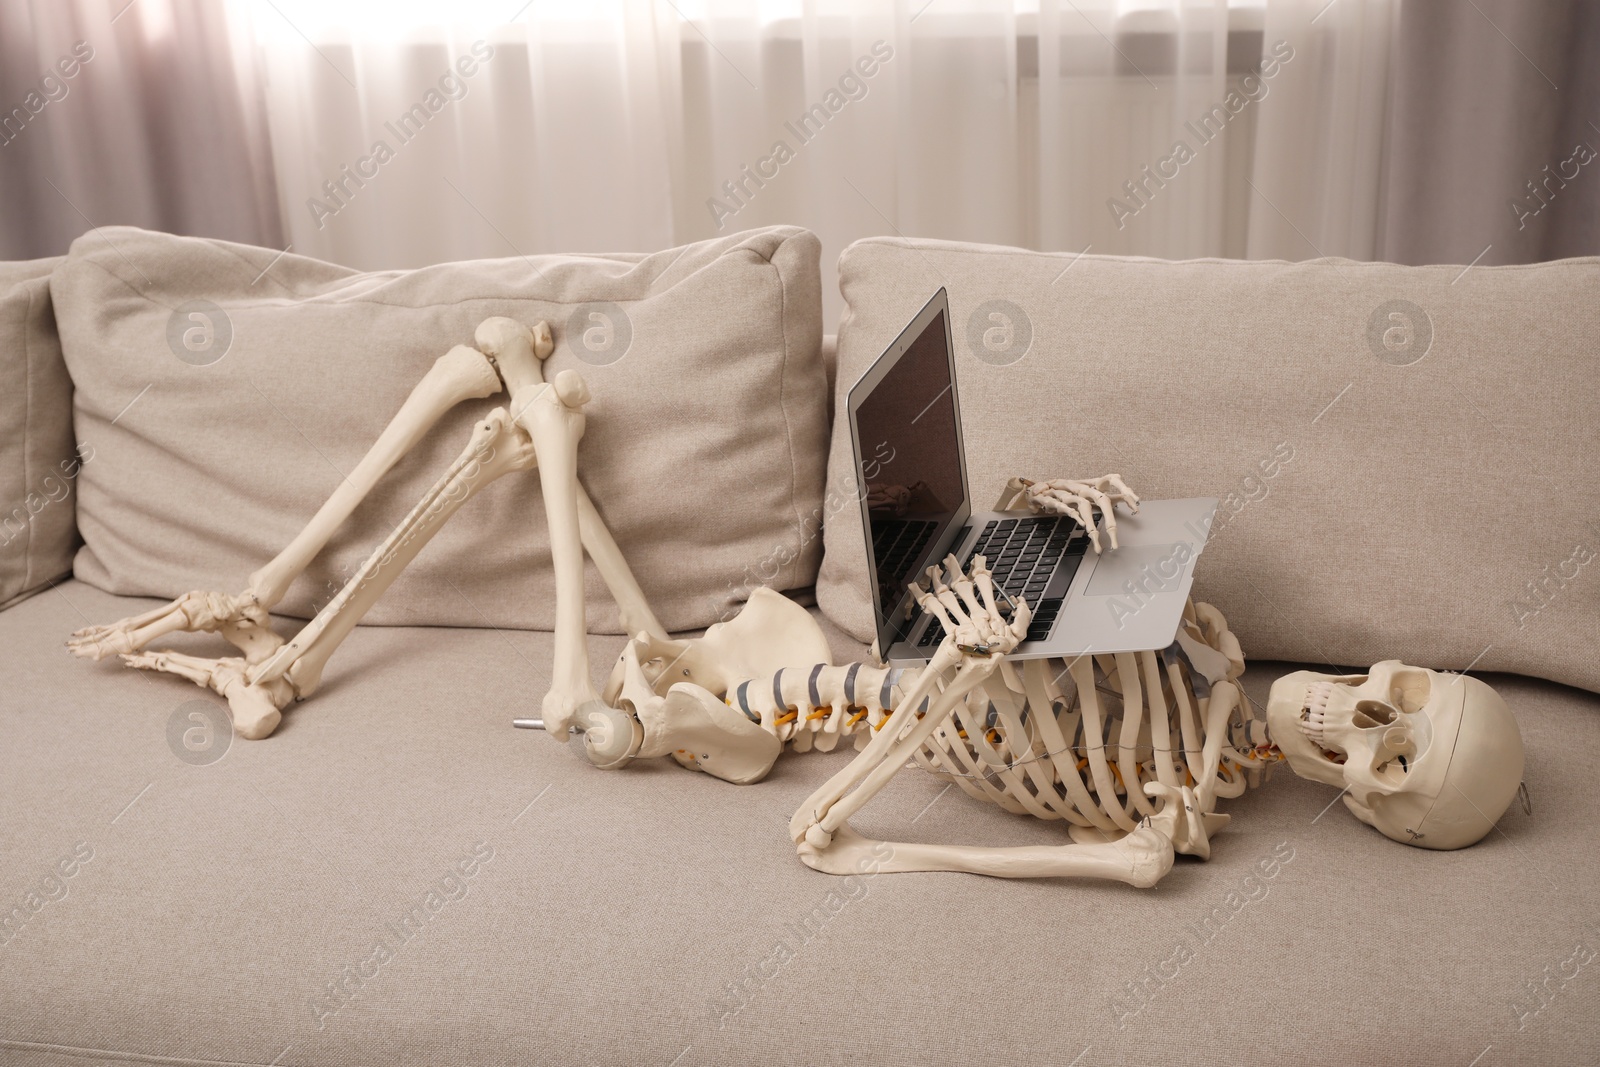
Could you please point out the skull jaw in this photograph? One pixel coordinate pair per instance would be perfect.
(1285, 705)
(1392, 812)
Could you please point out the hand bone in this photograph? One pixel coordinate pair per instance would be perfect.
(973, 623)
(1076, 499)
(976, 640)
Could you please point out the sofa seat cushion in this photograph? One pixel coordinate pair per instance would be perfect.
(227, 390)
(233, 911)
(1404, 455)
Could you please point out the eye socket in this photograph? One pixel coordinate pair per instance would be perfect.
(1410, 689)
(1373, 713)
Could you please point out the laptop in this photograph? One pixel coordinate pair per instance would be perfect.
(916, 509)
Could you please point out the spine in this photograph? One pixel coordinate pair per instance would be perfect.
(819, 705)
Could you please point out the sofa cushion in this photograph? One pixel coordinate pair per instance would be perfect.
(233, 900)
(39, 463)
(227, 389)
(1404, 455)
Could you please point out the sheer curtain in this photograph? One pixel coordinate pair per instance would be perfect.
(1495, 135)
(1124, 126)
(146, 114)
(394, 134)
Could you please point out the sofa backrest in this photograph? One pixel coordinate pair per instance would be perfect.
(1405, 455)
(227, 389)
(1402, 453)
(39, 462)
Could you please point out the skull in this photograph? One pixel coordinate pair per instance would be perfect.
(1427, 759)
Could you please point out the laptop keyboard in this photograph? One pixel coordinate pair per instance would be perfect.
(896, 545)
(1032, 559)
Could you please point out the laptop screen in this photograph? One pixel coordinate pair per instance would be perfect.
(910, 450)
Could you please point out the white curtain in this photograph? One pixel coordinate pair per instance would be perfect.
(1125, 126)
(147, 114)
(396, 133)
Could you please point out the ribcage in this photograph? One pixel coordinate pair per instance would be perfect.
(1076, 741)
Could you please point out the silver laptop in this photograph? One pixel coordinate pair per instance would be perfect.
(916, 508)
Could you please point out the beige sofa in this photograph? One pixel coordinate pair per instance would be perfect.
(397, 876)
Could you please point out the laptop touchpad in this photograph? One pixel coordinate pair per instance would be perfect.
(1151, 569)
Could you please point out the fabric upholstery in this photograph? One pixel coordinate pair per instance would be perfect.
(635, 916)
(221, 427)
(39, 461)
(1403, 454)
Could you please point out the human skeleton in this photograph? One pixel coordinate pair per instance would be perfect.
(1132, 750)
